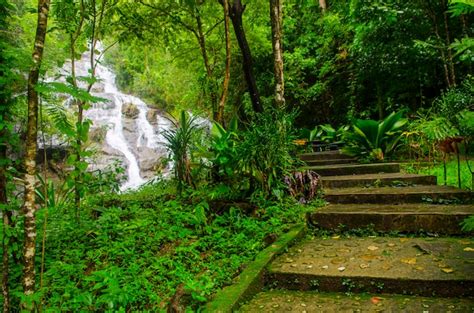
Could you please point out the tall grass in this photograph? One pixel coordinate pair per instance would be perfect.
(438, 170)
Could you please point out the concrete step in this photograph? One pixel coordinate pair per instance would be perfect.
(381, 179)
(313, 301)
(325, 155)
(441, 219)
(398, 195)
(419, 266)
(354, 169)
(329, 162)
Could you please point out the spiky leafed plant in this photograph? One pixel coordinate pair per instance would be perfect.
(375, 140)
(179, 142)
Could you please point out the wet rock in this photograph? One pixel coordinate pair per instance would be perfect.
(98, 134)
(151, 116)
(130, 110)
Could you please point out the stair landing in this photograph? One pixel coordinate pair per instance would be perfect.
(313, 301)
(419, 266)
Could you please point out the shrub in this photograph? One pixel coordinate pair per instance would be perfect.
(375, 140)
(266, 152)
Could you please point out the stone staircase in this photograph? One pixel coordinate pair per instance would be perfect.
(404, 272)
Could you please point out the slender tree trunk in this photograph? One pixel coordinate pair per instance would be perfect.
(29, 249)
(78, 148)
(6, 217)
(452, 75)
(236, 11)
(380, 104)
(432, 14)
(276, 18)
(201, 37)
(225, 86)
(4, 210)
(323, 5)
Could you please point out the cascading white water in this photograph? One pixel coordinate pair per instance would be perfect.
(134, 138)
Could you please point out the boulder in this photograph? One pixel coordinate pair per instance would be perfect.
(130, 110)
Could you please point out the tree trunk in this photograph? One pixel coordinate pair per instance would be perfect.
(6, 216)
(432, 14)
(201, 37)
(380, 104)
(276, 21)
(236, 11)
(225, 86)
(29, 249)
(78, 148)
(452, 74)
(323, 5)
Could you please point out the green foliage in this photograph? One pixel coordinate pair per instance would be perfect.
(437, 169)
(180, 141)
(52, 196)
(224, 147)
(317, 61)
(331, 135)
(425, 132)
(131, 253)
(265, 154)
(370, 139)
(468, 224)
(455, 100)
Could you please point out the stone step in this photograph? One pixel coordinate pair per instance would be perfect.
(441, 219)
(313, 301)
(398, 195)
(381, 179)
(354, 169)
(325, 155)
(329, 162)
(417, 266)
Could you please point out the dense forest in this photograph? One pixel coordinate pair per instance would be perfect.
(148, 148)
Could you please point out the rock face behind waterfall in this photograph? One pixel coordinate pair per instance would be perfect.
(123, 128)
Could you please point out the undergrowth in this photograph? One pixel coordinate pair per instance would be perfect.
(437, 170)
(131, 252)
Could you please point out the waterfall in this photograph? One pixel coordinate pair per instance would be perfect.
(135, 139)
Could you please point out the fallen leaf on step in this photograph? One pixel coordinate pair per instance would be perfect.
(372, 248)
(375, 300)
(363, 265)
(343, 250)
(469, 249)
(338, 260)
(410, 261)
(419, 268)
(341, 269)
(336, 237)
(447, 270)
(369, 257)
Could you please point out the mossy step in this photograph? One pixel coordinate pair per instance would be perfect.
(354, 169)
(325, 155)
(441, 219)
(416, 266)
(380, 179)
(330, 162)
(398, 195)
(311, 301)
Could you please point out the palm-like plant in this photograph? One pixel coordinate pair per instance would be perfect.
(375, 140)
(179, 142)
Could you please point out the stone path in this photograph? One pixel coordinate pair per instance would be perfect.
(370, 273)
